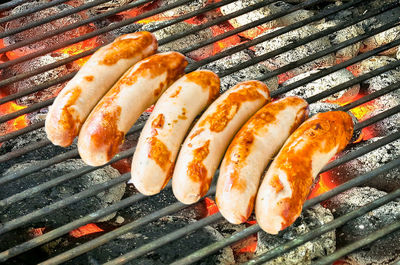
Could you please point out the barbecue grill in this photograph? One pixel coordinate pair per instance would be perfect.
(7, 255)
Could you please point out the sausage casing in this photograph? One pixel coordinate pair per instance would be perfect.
(74, 103)
(160, 140)
(288, 181)
(250, 152)
(105, 128)
(206, 143)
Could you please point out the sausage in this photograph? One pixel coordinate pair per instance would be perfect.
(205, 145)
(288, 181)
(105, 128)
(164, 132)
(74, 103)
(250, 152)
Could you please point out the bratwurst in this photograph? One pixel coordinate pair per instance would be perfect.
(105, 128)
(288, 181)
(251, 151)
(74, 103)
(164, 132)
(206, 143)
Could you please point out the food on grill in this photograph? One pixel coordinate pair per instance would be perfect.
(74, 103)
(288, 180)
(251, 151)
(205, 145)
(105, 128)
(164, 132)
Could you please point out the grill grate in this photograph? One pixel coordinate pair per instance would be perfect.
(175, 207)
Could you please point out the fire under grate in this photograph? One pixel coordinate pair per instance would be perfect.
(10, 156)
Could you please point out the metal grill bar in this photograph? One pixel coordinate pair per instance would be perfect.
(271, 35)
(325, 228)
(60, 202)
(370, 97)
(93, 33)
(75, 25)
(32, 10)
(295, 85)
(285, 68)
(72, 58)
(11, 4)
(54, 160)
(196, 256)
(312, 57)
(27, 129)
(26, 110)
(95, 189)
(52, 18)
(359, 244)
(91, 51)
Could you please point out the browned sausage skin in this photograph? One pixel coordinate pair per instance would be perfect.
(105, 128)
(206, 143)
(250, 152)
(74, 103)
(289, 179)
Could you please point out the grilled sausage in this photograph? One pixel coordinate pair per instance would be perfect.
(288, 180)
(164, 132)
(251, 151)
(105, 128)
(74, 103)
(205, 145)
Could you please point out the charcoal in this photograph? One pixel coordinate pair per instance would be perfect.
(375, 62)
(324, 83)
(26, 140)
(260, 13)
(297, 53)
(184, 42)
(183, 9)
(382, 251)
(59, 192)
(391, 123)
(38, 79)
(107, 6)
(33, 32)
(388, 182)
(163, 255)
(309, 220)
(248, 73)
(341, 36)
(385, 37)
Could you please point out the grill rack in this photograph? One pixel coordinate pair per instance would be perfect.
(177, 206)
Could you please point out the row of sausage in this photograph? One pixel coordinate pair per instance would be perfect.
(241, 131)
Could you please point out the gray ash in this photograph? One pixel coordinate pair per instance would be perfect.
(341, 36)
(167, 224)
(309, 220)
(382, 251)
(51, 26)
(38, 79)
(388, 182)
(184, 42)
(248, 73)
(59, 192)
(297, 53)
(324, 83)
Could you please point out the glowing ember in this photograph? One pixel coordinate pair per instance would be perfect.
(15, 124)
(211, 207)
(123, 166)
(227, 42)
(246, 245)
(85, 230)
(35, 232)
(326, 182)
(78, 48)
